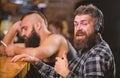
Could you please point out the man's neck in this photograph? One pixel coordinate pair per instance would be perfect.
(44, 36)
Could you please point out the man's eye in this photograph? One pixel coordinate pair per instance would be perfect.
(84, 23)
(25, 28)
(75, 24)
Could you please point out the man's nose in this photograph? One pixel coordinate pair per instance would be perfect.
(80, 27)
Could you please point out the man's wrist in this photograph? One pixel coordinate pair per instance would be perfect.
(15, 28)
(34, 60)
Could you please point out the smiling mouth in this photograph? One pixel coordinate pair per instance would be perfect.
(80, 36)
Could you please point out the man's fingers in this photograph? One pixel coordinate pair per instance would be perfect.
(14, 59)
(64, 57)
(17, 57)
(57, 58)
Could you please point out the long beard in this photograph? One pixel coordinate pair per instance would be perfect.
(86, 43)
(33, 40)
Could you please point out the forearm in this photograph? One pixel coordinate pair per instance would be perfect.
(35, 52)
(9, 37)
(46, 71)
(22, 50)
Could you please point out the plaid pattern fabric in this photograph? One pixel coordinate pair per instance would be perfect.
(98, 62)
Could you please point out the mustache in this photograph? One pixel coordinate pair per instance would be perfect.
(80, 32)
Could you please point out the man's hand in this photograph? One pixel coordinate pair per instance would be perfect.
(61, 66)
(24, 57)
(16, 26)
(10, 50)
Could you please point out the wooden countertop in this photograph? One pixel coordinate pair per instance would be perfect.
(9, 69)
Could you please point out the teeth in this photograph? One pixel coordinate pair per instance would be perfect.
(80, 34)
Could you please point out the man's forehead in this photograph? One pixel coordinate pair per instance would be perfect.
(83, 18)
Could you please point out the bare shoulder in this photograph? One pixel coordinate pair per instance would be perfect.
(59, 39)
(56, 36)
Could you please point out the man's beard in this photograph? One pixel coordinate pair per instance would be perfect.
(33, 40)
(88, 42)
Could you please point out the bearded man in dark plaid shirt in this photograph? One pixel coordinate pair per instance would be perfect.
(94, 58)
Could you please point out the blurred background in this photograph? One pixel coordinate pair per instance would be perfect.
(62, 11)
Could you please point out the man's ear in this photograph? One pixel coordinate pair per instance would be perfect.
(37, 26)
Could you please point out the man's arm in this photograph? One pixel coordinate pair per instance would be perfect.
(48, 48)
(9, 37)
(46, 71)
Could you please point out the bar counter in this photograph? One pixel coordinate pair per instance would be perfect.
(9, 69)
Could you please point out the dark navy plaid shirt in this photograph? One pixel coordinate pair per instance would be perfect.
(98, 62)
